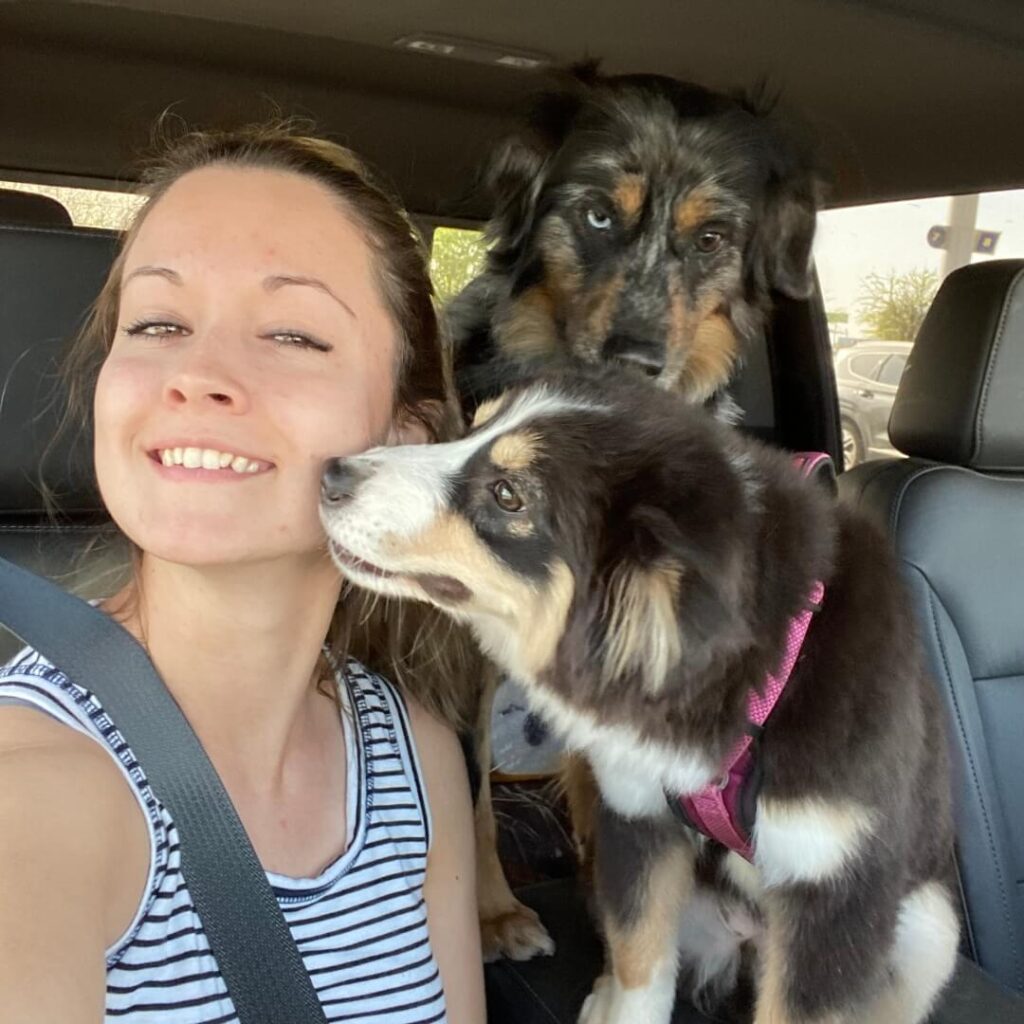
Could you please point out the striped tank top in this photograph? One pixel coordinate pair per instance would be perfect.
(360, 925)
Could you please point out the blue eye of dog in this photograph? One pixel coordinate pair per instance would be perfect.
(710, 241)
(506, 497)
(598, 219)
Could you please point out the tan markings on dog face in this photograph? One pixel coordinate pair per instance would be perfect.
(520, 528)
(543, 627)
(526, 326)
(642, 627)
(693, 210)
(808, 841)
(640, 951)
(557, 248)
(629, 195)
(590, 322)
(515, 451)
(701, 345)
(713, 353)
(448, 543)
(518, 622)
(486, 410)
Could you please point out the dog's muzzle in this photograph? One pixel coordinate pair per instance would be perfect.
(340, 480)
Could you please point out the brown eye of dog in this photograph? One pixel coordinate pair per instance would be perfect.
(506, 497)
(710, 241)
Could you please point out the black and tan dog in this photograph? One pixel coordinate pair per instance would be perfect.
(643, 222)
(636, 565)
(640, 220)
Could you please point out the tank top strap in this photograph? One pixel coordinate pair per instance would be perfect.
(382, 714)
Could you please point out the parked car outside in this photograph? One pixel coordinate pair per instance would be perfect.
(867, 375)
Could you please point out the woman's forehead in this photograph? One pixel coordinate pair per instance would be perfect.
(242, 217)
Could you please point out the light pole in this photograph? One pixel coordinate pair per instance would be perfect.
(963, 215)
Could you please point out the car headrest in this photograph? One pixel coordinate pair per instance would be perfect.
(961, 399)
(48, 280)
(21, 208)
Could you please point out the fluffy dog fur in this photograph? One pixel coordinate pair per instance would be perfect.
(639, 220)
(642, 222)
(636, 565)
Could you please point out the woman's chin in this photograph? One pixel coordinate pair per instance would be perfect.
(210, 545)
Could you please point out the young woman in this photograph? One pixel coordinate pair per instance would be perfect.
(270, 308)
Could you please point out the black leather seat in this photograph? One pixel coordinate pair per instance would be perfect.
(48, 279)
(955, 511)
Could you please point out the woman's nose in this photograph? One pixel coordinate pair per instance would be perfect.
(205, 378)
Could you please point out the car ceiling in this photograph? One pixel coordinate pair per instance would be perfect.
(908, 97)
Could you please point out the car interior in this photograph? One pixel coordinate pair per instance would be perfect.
(907, 98)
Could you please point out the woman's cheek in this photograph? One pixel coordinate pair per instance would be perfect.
(125, 384)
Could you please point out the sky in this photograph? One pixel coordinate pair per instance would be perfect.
(853, 242)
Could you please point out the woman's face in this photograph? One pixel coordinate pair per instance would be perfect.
(252, 343)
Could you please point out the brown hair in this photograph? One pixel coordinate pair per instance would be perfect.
(410, 644)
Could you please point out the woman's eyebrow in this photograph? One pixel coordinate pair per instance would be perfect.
(276, 281)
(147, 271)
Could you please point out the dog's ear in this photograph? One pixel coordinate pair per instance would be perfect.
(515, 176)
(514, 180)
(641, 627)
(785, 236)
(668, 601)
(793, 194)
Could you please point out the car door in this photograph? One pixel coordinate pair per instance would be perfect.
(887, 379)
(861, 385)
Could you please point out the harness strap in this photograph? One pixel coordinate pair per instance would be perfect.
(716, 811)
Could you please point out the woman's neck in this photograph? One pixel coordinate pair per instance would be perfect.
(239, 646)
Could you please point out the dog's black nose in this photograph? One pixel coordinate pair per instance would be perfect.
(340, 480)
(640, 353)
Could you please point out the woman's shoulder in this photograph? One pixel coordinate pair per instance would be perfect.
(66, 808)
(52, 767)
(65, 801)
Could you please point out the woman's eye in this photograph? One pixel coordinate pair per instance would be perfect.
(152, 329)
(710, 241)
(299, 340)
(599, 219)
(506, 497)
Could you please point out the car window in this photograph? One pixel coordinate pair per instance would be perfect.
(867, 365)
(892, 370)
(456, 257)
(88, 207)
(880, 265)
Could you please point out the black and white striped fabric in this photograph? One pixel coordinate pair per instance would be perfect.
(360, 925)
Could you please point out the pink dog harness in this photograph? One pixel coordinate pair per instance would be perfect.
(724, 810)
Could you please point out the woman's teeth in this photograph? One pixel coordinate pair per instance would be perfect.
(208, 458)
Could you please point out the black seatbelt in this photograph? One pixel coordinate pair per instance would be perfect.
(248, 935)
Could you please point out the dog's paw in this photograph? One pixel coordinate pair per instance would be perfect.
(516, 934)
(597, 1006)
